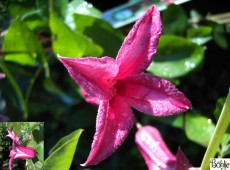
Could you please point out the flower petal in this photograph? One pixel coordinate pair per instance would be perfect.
(140, 45)
(114, 121)
(2, 75)
(182, 161)
(11, 161)
(94, 75)
(89, 99)
(153, 149)
(14, 137)
(153, 95)
(24, 152)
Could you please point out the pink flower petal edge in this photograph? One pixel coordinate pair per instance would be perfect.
(93, 74)
(153, 95)
(110, 123)
(140, 45)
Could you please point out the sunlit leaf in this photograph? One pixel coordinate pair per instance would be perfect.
(101, 32)
(69, 43)
(176, 56)
(174, 20)
(200, 35)
(21, 45)
(198, 128)
(35, 21)
(62, 153)
(80, 7)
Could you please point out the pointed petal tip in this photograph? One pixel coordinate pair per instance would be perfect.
(63, 59)
(87, 163)
(60, 57)
(153, 95)
(140, 46)
(187, 105)
(82, 164)
(90, 162)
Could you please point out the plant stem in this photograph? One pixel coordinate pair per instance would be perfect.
(22, 102)
(219, 131)
(51, 5)
(32, 81)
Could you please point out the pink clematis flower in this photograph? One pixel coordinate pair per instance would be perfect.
(14, 137)
(18, 150)
(156, 153)
(118, 84)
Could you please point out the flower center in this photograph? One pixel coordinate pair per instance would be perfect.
(112, 90)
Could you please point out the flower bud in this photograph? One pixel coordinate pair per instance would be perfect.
(154, 150)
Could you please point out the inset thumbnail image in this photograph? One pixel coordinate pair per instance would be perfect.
(21, 145)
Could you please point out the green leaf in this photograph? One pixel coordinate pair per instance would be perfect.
(225, 145)
(16, 8)
(174, 20)
(60, 6)
(62, 153)
(200, 35)
(43, 6)
(69, 43)
(101, 32)
(21, 45)
(40, 151)
(219, 36)
(199, 128)
(38, 137)
(176, 56)
(80, 7)
(219, 106)
(35, 21)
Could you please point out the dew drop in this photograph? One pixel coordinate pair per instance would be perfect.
(209, 121)
(189, 64)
